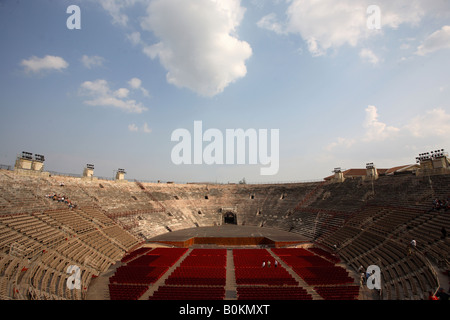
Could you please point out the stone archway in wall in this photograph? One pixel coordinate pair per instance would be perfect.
(229, 218)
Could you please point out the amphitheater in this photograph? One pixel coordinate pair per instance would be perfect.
(159, 241)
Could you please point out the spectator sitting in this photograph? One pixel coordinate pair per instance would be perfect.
(435, 202)
(437, 205)
(412, 247)
(447, 205)
(367, 277)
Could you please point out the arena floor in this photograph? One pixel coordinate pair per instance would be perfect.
(99, 287)
(230, 231)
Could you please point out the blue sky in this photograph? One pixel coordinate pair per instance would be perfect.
(111, 93)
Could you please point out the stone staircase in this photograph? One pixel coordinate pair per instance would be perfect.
(154, 287)
(302, 283)
(230, 285)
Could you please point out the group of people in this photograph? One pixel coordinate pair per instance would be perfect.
(268, 264)
(63, 199)
(440, 205)
(364, 275)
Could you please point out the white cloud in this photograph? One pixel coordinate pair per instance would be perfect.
(116, 7)
(438, 40)
(328, 24)
(396, 13)
(98, 86)
(134, 128)
(375, 129)
(101, 95)
(47, 63)
(341, 142)
(325, 24)
(314, 48)
(419, 132)
(434, 123)
(121, 93)
(129, 105)
(368, 55)
(136, 84)
(270, 22)
(146, 129)
(198, 43)
(92, 61)
(135, 38)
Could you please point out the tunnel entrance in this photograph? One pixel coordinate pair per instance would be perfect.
(229, 218)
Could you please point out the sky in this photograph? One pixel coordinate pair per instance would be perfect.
(109, 83)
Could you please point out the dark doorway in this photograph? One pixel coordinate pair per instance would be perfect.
(229, 218)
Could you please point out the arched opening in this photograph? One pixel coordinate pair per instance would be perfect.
(229, 218)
